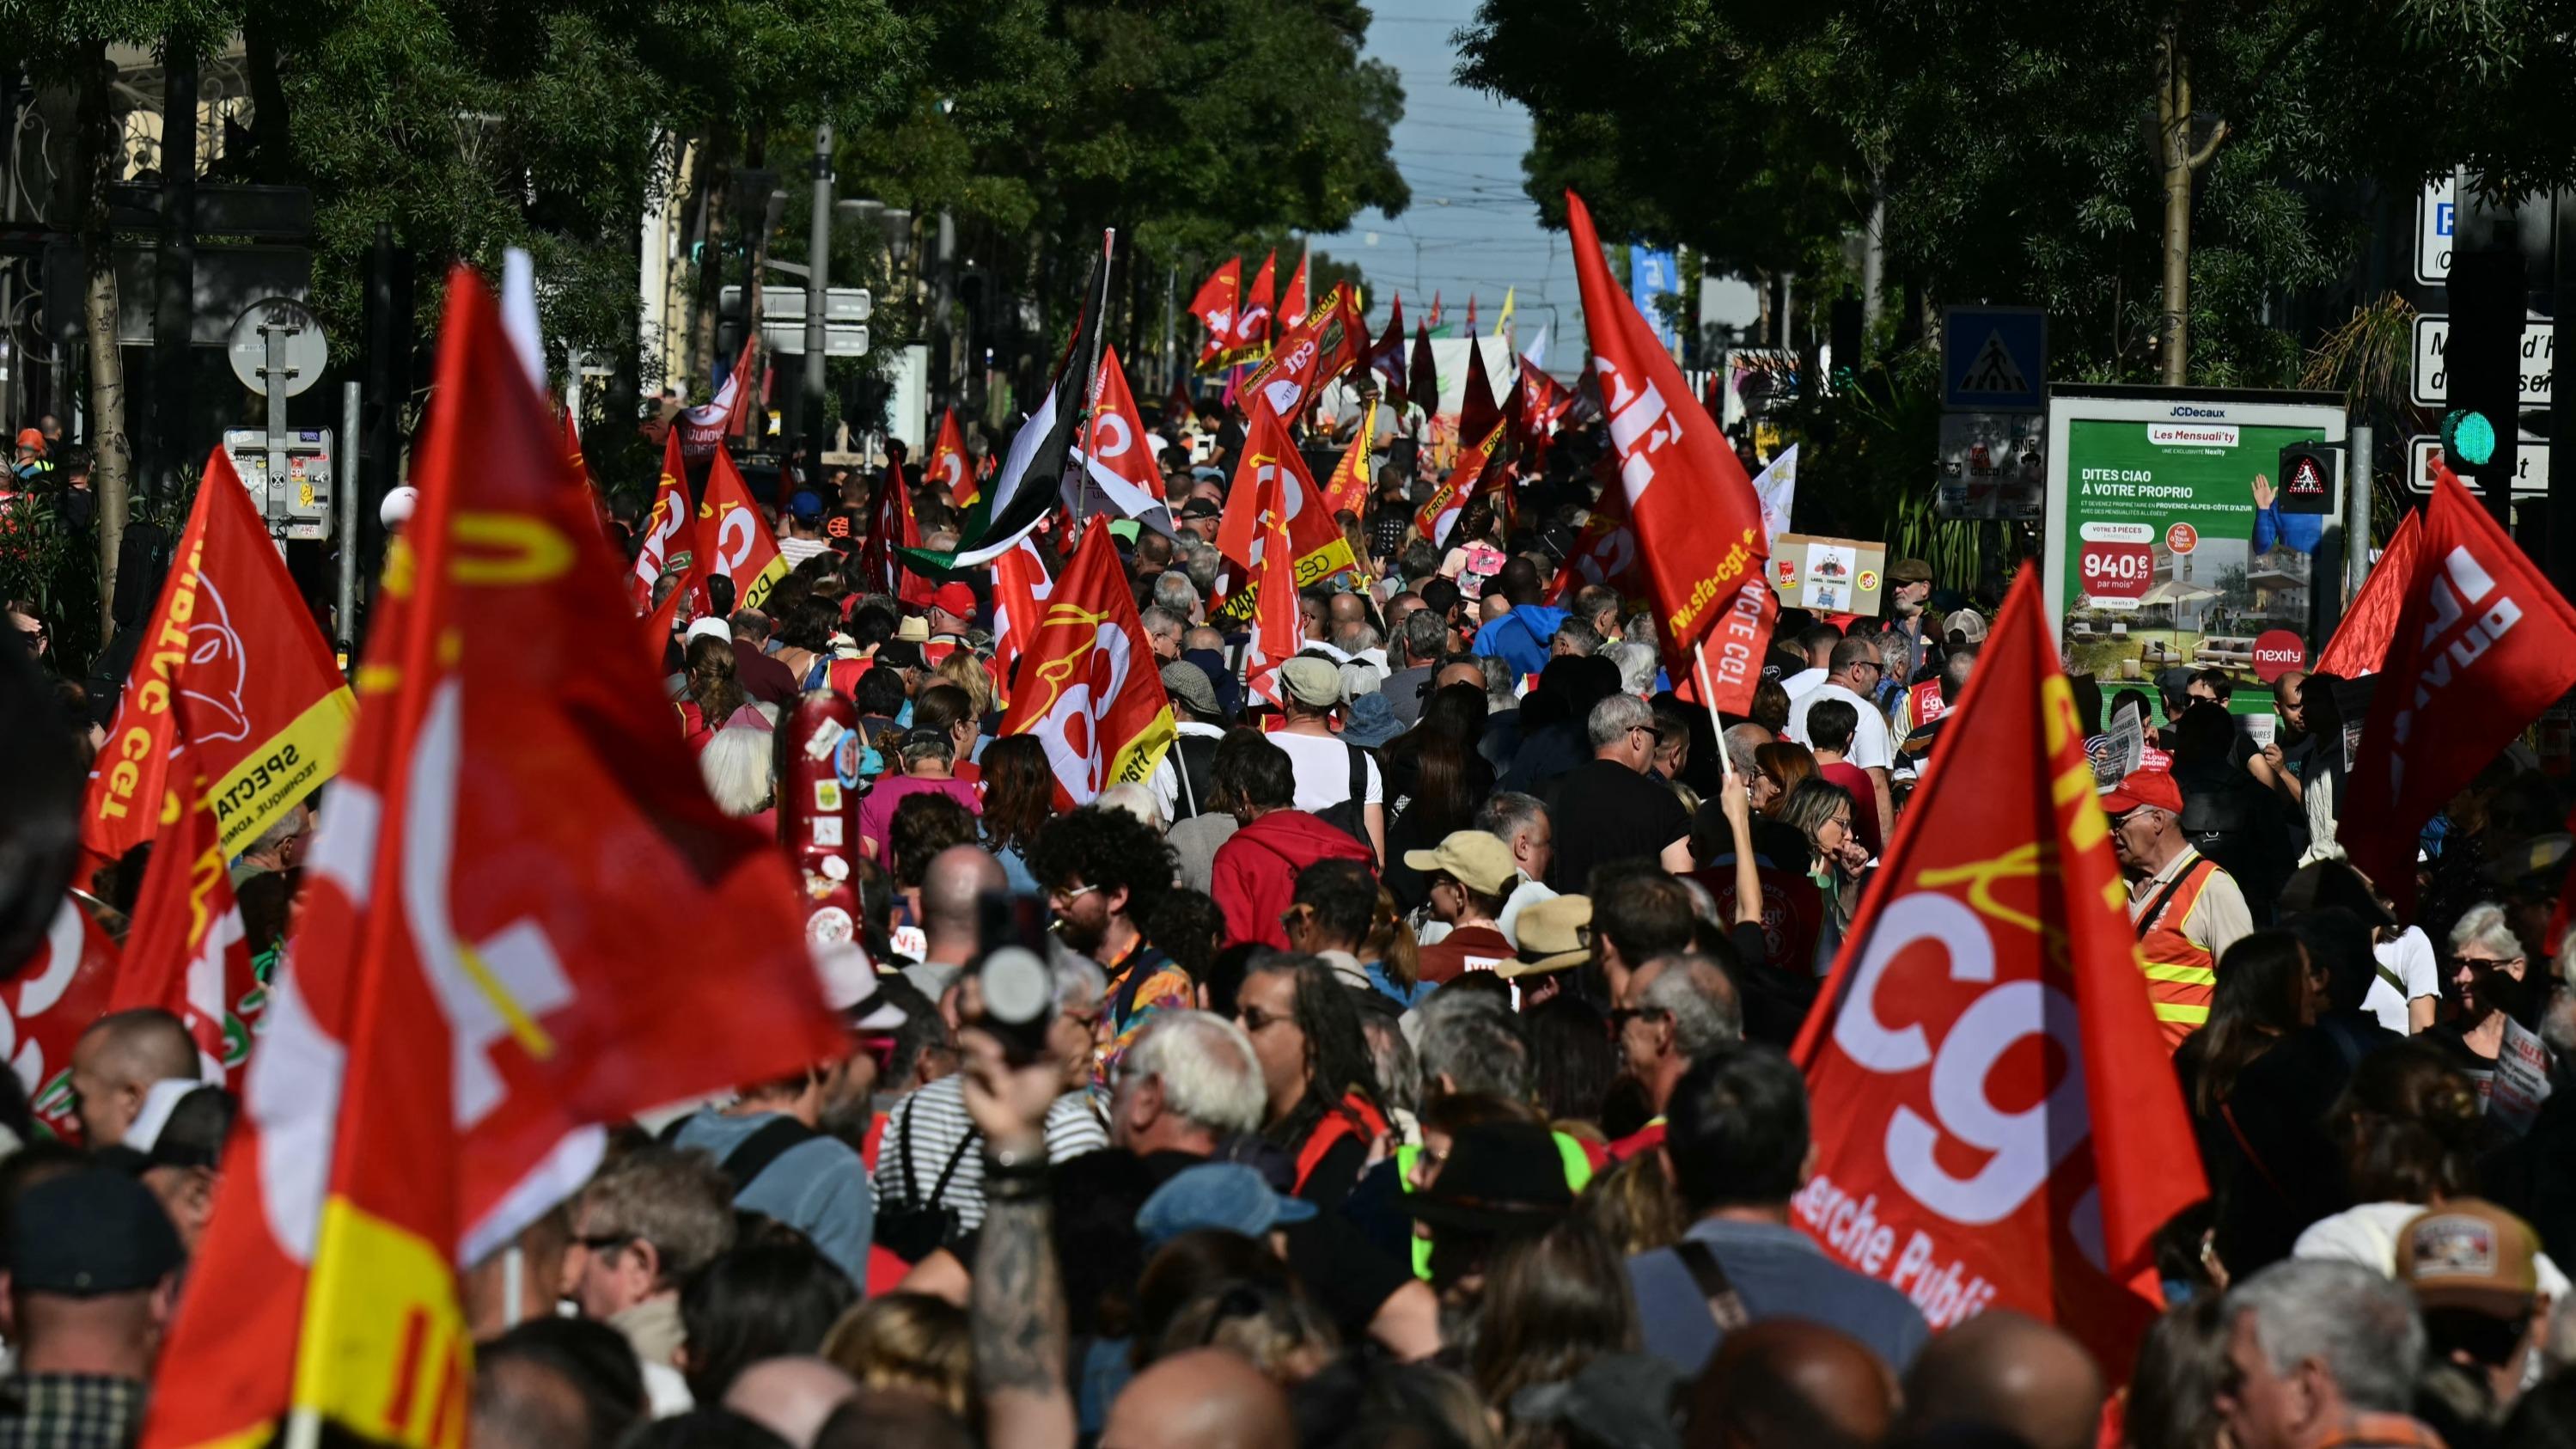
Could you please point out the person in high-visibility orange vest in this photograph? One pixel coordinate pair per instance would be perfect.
(2186, 909)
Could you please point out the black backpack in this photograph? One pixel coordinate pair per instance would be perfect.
(1194, 765)
(1350, 815)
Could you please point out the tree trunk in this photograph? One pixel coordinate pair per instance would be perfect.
(270, 155)
(2178, 160)
(94, 165)
(708, 202)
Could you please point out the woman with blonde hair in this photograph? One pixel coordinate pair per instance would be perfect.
(911, 1343)
(1392, 958)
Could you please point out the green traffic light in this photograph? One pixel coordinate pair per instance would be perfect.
(2468, 438)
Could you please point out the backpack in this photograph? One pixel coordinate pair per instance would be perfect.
(1350, 815)
(1194, 766)
(751, 1157)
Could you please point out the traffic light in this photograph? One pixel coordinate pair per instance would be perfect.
(2482, 361)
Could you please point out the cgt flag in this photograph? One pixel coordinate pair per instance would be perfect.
(1995, 1116)
(1348, 488)
(1294, 303)
(1087, 685)
(1310, 354)
(734, 541)
(1251, 340)
(1271, 461)
(45, 1005)
(187, 952)
(947, 469)
(2483, 645)
(230, 660)
(1215, 307)
(2360, 642)
(1121, 464)
(1701, 531)
(1605, 552)
(666, 525)
(486, 970)
(701, 428)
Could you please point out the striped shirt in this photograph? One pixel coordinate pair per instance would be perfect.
(926, 1129)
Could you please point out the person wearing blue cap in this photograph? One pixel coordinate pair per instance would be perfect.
(804, 523)
(93, 1278)
(1225, 1195)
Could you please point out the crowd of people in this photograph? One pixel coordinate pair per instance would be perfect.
(1418, 1063)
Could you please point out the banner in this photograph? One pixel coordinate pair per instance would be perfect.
(1087, 685)
(701, 428)
(734, 537)
(187, 952)
(1348, 488)
(1777, 487)
(1996, 1120)
(230, 659)
(486, 970)
(1701, 537)
(1315, 541)
(1310, 355)
(2486, 645)
(2360, 642)
(51, 998)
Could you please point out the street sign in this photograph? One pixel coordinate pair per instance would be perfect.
(1994, 359)
(303, 352)
(296, 501)
(2530, 457)
(2436, 219)
(2429, 385)
(787, 304)
(786, 337)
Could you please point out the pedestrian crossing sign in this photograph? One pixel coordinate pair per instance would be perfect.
(1994, 359)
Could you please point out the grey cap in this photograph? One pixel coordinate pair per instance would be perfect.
(1189, 684)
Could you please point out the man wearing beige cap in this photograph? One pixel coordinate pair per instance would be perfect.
(1470, 872)
(1336, 783)
(1909, 588)
(2476, 1272)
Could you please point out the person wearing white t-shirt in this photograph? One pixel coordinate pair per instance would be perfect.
(2409, 985)
(1853, 677)
(1310, 690)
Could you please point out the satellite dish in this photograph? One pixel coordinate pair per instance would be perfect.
(306, 354)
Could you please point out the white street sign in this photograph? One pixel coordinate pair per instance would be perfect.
(2435, 215)
(2430, 384)
(2530, 465)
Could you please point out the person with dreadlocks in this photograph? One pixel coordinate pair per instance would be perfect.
(1323, 1095)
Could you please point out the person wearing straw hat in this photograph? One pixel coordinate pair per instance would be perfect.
(1554, 939)
(1469, 873)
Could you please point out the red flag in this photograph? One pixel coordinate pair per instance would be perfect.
(1215, 307)
(1422, 385)
(1996, 1120)
(1315, 541)
(1386, 355)
(1605, 552)
(232, 661)
(947, 468)
(1433, 320)
(1309, 355)
(1294, 304)
(1020, 584)
(2486, 645)
(487, 967)
(1121, 461)
(734, 538)
(1252, 323)
(2360, 642)
(669, 520)
(187, 952)
(1471, 314)
(1087, 684)
(701, 428)
(1701, 533)
(49, 1000)
(1348, 488)
(572, 446)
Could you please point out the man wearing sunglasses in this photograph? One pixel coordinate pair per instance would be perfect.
(1855, 674)
(1606, 811)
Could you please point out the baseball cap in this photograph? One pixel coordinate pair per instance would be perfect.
(2144, 787)
(1201, 508)
(1189, 684)
(1226, 1195)
(955, 598)
(2470, 1253)
(30, 438)
(90, 1233)
(1549, 939)
(1909, 571)
(1312, 681)
(1968, 624)
(805, 505)
(1478, 858)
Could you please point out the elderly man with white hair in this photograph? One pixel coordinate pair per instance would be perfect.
(2321, 1353)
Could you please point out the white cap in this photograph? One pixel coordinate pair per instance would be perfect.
(709, 626)
(395, 511)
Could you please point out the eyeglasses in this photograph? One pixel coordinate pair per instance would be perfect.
(1063, 896)
(1252, 1019)
(2489, 963)
(1621, 1016)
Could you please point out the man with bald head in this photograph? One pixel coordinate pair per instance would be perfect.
(790, 1397)
(2005, 1370)
(1791, 1384)
(1207, 1398)
(951, 925)
(115, 1063)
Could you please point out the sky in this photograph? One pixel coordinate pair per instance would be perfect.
(1471, 227)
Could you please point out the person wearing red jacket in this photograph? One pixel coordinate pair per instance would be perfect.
(1255, 874)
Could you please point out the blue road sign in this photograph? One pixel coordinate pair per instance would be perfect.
(1994, 359)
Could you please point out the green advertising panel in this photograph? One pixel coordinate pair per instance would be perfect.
(2171, 537)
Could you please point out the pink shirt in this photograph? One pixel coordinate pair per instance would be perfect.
(876, 813)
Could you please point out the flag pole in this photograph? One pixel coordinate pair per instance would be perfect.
(1716, 721)
(1091, 378)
